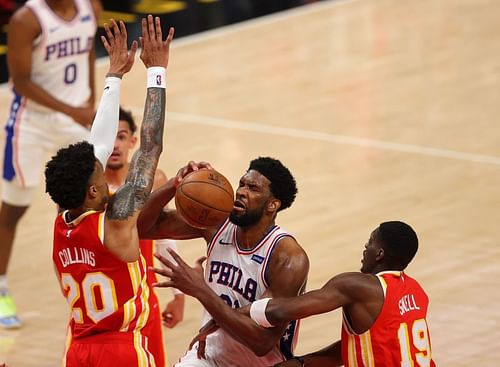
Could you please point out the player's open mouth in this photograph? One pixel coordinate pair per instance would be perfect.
(238, 206)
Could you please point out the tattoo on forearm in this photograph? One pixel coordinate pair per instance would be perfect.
(133, 194)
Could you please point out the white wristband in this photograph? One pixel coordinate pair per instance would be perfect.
(156, 77)
(258, 312)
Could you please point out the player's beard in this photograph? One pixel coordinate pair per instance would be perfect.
(115, 166)
(249, 218)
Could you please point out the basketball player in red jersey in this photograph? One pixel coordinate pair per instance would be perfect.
(384, 310)
(116, 172)
(96, 246)
(247, 257)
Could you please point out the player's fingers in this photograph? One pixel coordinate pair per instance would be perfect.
(151, 27)
(164, 284)
(205, 165)
(105, 44)
(165, 261)
(176, 257)
(163, 271)
(116, 30)
(123, 29)
(109, 35)
(133, 50)
(170, 35)
(159, 36)
(201, 348)
(144, 26)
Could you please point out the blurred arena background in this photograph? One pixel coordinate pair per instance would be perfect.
(187, 16)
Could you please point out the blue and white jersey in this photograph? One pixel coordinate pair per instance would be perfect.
(238, 276)
(60, 56)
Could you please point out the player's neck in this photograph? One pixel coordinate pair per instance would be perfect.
(65, 9)
(116, 177)
(249, 237)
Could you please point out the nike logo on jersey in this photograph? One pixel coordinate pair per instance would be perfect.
(53, 29)
(106, 88)
(221, 242)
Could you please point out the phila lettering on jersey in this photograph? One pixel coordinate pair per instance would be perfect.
(60, 59)
(399, 336)
(238, 276)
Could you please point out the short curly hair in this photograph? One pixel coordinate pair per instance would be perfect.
(283, 185)
(67, 174)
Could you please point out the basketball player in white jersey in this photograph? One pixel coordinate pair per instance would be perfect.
(249, 258)
(51, 64)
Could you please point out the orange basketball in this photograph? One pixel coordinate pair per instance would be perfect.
(204, 198)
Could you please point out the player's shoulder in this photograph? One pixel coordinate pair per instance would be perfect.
(289, 245)
(24, 17)
(23, 25)
(289, 253)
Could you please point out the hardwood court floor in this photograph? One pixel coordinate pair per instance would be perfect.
(382, 109)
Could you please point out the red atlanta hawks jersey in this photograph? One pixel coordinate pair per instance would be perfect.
(104, 293)
(400, 336)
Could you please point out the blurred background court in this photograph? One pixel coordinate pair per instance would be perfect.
(382, 109)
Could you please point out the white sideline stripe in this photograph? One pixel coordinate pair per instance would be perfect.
(322, 136)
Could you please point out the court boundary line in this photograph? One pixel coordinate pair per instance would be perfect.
(256, 127)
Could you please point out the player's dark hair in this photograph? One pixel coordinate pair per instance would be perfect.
(283, 185)
(127, 116)
(67, 174)
(399, 241)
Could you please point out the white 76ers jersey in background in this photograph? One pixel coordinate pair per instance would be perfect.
(60, 57)
(238, 276)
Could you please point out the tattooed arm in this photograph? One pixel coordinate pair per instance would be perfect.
(120, 235)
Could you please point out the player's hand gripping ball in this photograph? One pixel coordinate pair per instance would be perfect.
(204, 198)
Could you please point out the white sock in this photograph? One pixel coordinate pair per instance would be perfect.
(4, 285)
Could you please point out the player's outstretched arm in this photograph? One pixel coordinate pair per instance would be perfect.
(288, 258)
(337, 292)
(125, 205)
(105, 126)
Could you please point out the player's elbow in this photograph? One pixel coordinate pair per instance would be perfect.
(21, 84)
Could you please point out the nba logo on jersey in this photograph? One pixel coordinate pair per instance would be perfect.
(158, 80)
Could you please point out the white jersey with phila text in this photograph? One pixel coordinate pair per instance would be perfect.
(60, 56)
(238, 276)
